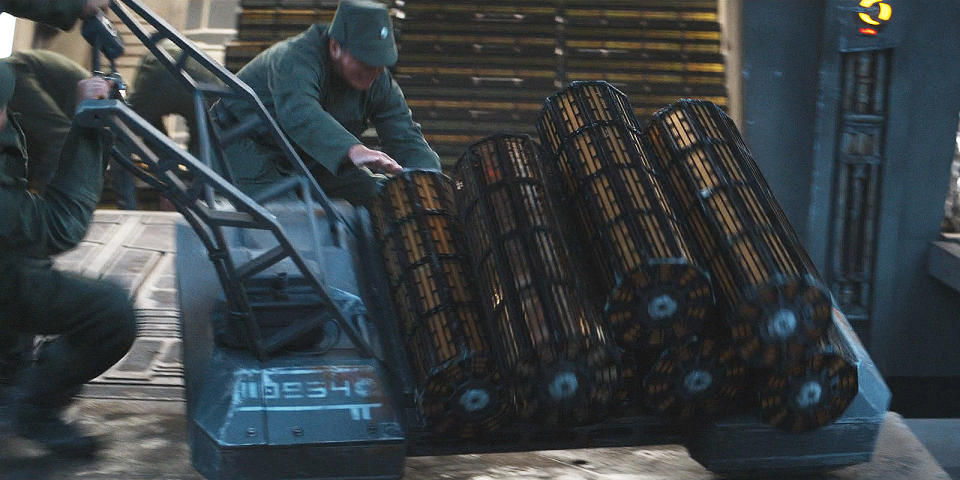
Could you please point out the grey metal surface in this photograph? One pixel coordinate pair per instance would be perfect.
(743, 445)
(298, 414)
(316, 417)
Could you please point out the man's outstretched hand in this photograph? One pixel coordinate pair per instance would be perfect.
(92, 7)
(94, 88)
(375, 160)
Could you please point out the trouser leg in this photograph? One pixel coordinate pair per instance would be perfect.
(123, 186)
(94, 320)
(15, 353)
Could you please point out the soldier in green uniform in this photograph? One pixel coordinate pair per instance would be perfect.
(323, 87)
(62, 14)
(59, 13)
(94, 319)
(41, 99)
(46, 87)
(45, 96)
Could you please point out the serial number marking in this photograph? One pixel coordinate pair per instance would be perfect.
(254, 390)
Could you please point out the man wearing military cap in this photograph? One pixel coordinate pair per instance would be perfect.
(94, 319)
(323, 87)
(59, 13)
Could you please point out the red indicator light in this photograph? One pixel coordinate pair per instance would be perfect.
(868, 31)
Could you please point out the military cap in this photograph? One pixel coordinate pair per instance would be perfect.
(365, 30)
(7, 82)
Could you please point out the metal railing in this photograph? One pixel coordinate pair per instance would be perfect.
(162, 164)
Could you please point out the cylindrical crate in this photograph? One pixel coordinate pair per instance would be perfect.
(813, 392)
(700, 379)
(551, 342)
(778, 308)
(460, 391)
(657, 295)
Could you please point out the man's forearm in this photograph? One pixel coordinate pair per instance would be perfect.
(47, 224)
(59, 13)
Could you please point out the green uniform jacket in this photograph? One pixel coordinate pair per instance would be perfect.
(45, 96)
(321, 114)
(37, 226)
(59, 13)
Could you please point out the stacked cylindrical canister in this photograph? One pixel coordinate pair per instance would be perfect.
(550, 341)
(779, 311)
(657, 295)
(460, 391)
(704, 377)
(778, 307)
(811, 393)
(658, 208)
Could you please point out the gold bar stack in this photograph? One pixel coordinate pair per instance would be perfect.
(657, 295)
(550, 341)
(459, 386)
(779, 310)
(261, 23)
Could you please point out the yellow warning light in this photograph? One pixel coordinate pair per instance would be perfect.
(885, 13)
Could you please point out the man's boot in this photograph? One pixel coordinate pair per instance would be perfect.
(13, 359)
(14, 356)
(45, 426)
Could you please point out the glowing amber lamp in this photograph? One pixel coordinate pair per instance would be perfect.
(884, 15)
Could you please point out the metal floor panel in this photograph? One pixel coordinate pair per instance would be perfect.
(136, 250)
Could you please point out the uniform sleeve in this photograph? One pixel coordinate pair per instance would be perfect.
(41, 225)
(46, 126)
(59, 13)
(295, 85)
(399, 135)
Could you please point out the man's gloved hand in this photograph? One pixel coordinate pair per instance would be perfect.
(375, 160)
(92, 7)
(94, 88)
